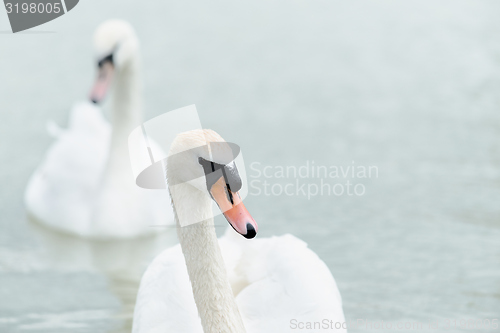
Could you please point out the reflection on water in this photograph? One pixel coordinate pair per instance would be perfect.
(121, 262)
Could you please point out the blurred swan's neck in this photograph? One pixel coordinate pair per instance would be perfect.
(126, 115)
(127, 98)
(211, 288)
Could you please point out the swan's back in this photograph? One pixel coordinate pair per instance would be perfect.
(275, 280)
(165, 302)
(287, 283)
(62, 186)
(69, 191)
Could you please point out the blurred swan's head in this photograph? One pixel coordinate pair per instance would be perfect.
(202, 161)
(116, 48)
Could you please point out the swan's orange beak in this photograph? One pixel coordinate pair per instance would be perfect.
(233, 209)
(102, 82)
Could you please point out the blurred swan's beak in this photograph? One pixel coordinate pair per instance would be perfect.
(102, 82)
(233, 209)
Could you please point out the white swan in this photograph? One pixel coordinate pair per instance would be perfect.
(85, 184)
(237, 285)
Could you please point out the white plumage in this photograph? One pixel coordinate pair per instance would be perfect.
(275, 280)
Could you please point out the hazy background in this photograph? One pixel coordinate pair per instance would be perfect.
(412, 87)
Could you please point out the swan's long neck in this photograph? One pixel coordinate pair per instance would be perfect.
(211, 288)
(125, 116)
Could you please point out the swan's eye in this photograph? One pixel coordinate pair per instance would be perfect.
(213, 171)
(229, 194)
(108, 58)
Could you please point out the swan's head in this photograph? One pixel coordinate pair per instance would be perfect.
(204, 160)
(116, 47)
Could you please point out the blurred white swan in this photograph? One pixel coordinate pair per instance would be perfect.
(237, 285)
(85, 184)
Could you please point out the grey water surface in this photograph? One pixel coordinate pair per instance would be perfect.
(411, 88)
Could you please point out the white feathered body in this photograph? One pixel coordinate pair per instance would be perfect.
(277, 282)
(69, 191)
